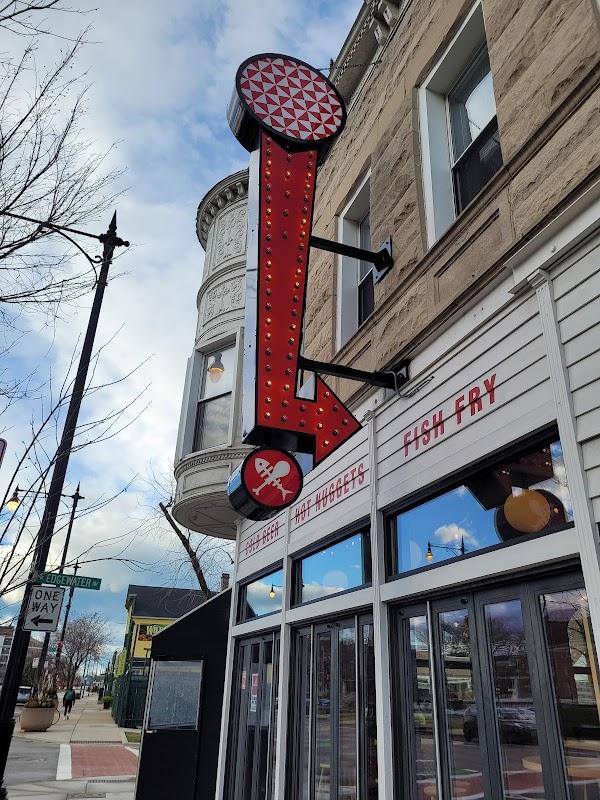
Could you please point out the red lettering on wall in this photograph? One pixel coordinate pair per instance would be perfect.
(475, 403)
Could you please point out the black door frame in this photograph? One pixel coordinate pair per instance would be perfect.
(474, 600)
(311, 631)
(237, 739)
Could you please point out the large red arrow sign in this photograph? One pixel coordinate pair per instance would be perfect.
(287, 189)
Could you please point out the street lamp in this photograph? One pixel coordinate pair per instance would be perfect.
(14, 502)
(16, 659)
(457, 550)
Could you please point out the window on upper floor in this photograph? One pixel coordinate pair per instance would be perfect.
(459, 127)
(213, 416)
(356, 295)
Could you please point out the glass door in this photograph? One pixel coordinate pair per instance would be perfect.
(501, 695)
(333, 747)
(254, 713)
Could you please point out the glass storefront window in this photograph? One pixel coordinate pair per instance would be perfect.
(252, 730)
(522, 495)
(421, 718)
(262, 596)
(460, 707)
(175, 695)
(340, 566)
(570, 643)
(333, 727)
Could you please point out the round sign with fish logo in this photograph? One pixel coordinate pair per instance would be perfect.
(268, 480)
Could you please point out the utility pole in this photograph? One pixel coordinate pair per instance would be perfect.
(43, 655)
(61, 642)
(18, 653)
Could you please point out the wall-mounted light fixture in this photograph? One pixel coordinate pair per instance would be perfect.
(215, 369)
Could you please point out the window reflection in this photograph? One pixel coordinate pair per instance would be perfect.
(462, 725)
(262, 596)
(334, 569)
(572, 654)
(422, 709)
(523, 495)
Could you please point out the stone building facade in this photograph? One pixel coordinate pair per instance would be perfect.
(544, 60)
(209, 446)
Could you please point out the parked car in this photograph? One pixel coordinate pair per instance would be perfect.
(24, 694)
(517, 724)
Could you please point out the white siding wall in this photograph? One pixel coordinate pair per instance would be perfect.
(507, 345)
(576, 286)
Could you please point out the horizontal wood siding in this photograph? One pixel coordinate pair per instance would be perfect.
(577, 296)
(509, 346)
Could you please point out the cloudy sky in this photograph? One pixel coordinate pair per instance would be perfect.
(160, 75)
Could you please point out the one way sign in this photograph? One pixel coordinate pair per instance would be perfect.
(44, 608)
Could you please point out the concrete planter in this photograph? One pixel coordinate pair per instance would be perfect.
(38, 719)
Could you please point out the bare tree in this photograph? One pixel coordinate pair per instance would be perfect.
(48, 172)
(27, 17)
(196, 553)
(85, 638)
(20, 527)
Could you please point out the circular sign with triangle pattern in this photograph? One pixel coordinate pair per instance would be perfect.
(291, 98)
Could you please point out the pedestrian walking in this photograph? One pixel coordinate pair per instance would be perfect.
(68, 700)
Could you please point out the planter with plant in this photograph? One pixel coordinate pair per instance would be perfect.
(106, 700)
(39, 713)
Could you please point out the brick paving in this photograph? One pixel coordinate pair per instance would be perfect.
(98, 760)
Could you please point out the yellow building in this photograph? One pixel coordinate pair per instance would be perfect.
(149, 610)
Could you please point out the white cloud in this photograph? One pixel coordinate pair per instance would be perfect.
(161, 76)
(451, 534)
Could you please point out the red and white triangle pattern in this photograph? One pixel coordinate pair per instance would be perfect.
(291, 98)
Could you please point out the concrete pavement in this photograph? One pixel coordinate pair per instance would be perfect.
(84, 756)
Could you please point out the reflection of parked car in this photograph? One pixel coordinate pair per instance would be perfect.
(516, 723)
(24, 694)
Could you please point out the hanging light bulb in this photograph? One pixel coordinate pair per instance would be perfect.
(429, 554)
(14, 502)
(272, 592)
(216, 369)
(528, 512)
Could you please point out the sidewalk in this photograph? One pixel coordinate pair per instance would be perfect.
(88, 722)
(94, 758)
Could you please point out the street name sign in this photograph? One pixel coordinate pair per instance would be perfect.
(75, 581)
(45, 604)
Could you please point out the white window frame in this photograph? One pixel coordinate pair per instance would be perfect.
(191, 395)
(436, 147)
(348, 269)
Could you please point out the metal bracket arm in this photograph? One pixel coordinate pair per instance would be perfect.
(382, 259)
(387, 380)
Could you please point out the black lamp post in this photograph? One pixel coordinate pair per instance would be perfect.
(458, 550)
(12, 504)
(18, 653)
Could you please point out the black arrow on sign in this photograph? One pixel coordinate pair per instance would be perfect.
(41, 620)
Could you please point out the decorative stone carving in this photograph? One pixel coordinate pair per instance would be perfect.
(228, 191)
(222, 298)
(230, 236)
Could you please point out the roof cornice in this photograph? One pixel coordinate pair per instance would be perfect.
(227, 191)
